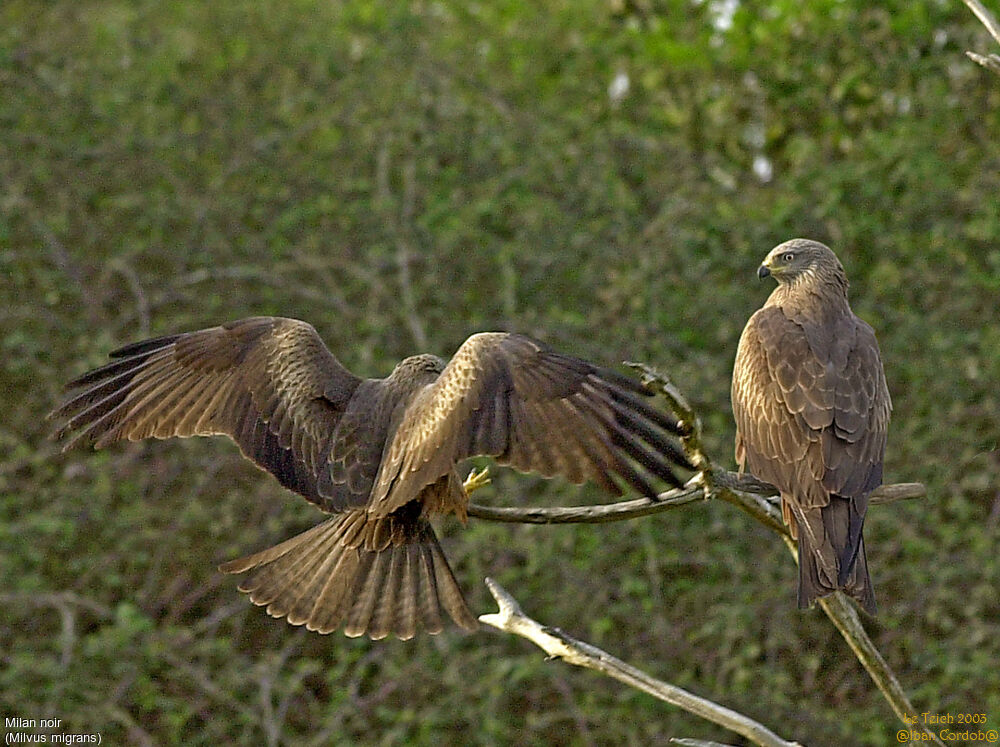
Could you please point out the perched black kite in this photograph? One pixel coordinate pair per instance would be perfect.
(812, 411)
(379, 454)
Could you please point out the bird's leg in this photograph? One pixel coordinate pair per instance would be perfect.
(477, 479)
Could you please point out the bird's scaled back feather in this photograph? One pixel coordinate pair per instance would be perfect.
(812, 410)
(507, 396)
(781, 418)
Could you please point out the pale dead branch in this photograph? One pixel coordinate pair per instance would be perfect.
(756, 498)
(989, 61)
(559, 645)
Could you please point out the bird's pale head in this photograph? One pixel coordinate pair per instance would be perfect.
(802, 259)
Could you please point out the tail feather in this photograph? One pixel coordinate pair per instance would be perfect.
(373, 568)
(388, 605)
(409, 579)
(859, 583)
(851, 542)
(427, 599)
(333, 602)
(371, 575)
(285, 578)
(828, 558)
(301, 610)
(448, 593)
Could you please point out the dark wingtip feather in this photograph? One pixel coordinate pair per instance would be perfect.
(629, 434)
(662, 442)
(623, 381)
(110, 370)
(651, 461)
(662, 419)
(144, 346)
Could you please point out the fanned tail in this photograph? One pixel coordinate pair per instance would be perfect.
(370, 575)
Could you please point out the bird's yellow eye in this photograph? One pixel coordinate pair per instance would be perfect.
(787, 256)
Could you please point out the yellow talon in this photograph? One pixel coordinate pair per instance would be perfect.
(477, 479)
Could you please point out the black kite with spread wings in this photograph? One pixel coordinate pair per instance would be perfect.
(381, 455)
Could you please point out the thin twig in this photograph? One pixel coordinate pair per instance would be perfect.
(62, 259)
(273, 276)
(273, 720)
(588, 514)
(120, 266)
(201, 677)
(690, 423)
(55, 599)
(989, 61)
(136, 734)
(558, 644)
(985, 17)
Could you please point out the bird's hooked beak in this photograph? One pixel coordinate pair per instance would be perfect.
(763, 271)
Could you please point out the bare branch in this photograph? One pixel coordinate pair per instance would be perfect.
(131, 278)
(845, 617)
(273, 276)
(200, 677)
(757, 498)
(589, 514)
(558, 644)
(754, 496)
(989, 61)
(136, 734)
(62, 259)
(985, 17)
(690, 423)
(55, 599)
(273, 720)
(900, 491)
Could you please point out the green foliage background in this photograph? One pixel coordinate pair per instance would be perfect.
(402, 174)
